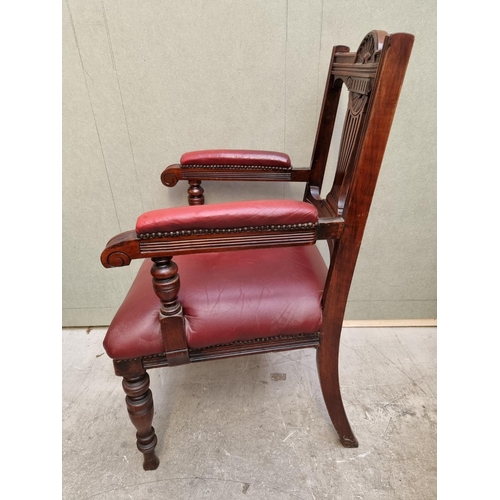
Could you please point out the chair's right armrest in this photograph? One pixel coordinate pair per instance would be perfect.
(220, 227)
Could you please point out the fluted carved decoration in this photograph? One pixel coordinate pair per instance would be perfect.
(140, 408)
(359, 85)
(239, 172)
(195, 193)
(350, 137)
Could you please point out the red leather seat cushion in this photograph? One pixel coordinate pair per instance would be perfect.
(226, 297)
(247, 157)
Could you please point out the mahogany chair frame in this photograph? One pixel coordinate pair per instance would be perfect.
(373, 76)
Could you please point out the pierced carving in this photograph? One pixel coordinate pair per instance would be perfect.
(369, 49)
(118, 259)
(359, 78)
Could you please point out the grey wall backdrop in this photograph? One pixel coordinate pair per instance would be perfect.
(145, 81)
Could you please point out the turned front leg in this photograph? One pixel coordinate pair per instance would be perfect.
(140, 409)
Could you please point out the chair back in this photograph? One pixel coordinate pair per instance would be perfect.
(373, 76)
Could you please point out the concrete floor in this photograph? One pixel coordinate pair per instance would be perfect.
(256, 427)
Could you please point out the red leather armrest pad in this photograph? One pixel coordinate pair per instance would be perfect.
(236, 157)
(227, 215)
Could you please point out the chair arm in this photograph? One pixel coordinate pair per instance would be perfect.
(233, 165)
(219, 227)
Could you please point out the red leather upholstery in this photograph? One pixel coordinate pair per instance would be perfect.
(227, 215)
(236, 157)
(226, 297)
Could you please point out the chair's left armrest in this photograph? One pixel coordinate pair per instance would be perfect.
(233, 165)
(219, 227)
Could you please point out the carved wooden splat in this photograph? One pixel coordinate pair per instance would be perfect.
(359, 83)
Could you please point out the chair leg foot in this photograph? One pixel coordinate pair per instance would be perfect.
(329, 380)
(140, 408)
(349, 442)
(146, 445)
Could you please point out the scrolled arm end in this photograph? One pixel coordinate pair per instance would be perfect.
(171, 175)
(115, 259)
(120, 250)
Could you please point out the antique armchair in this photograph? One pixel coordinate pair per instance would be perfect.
(248, 277)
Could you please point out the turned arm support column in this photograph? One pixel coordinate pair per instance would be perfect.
(195, 193)
(166, 284)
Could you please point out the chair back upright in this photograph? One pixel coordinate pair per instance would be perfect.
(373, 76)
